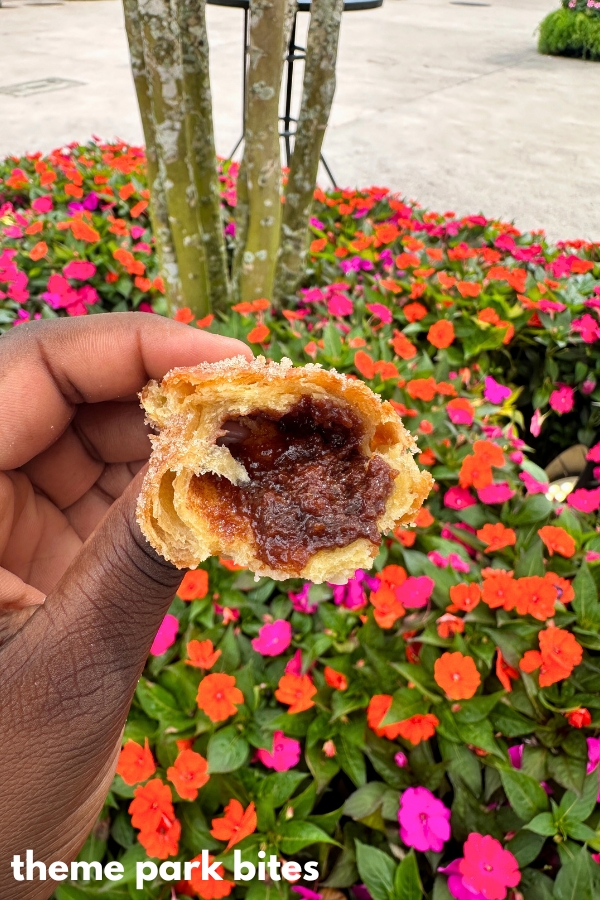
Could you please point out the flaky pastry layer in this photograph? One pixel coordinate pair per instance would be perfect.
(189, 408)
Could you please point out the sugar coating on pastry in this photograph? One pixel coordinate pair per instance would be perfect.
(287, 471)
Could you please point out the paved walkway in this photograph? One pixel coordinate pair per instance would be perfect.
(446, 101)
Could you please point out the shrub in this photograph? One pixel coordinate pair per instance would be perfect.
(441, 710)
(573, 30)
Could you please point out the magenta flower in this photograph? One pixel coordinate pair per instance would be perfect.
(381, 311)
(449, 535)
(424, 820)
(456, 885)
(300, 600)
(401, 759)
(593, 453)
(593, 746)
(516, 755)
(273, 639)
(532, 485)
(137, 231)
(496, 493)
(306, 893)
(416, 591)
(340, 305)
(285, 753)
(453, 560)
(588, 386)
(592, 556)
(585, 501)
(165, 636)
(537, 420)
(460, 416)
(587, 327)
(458, 498)
(487, 867)
(562, 400)
(352, 594)
(79, 269)
(495, 392)
(42, 204)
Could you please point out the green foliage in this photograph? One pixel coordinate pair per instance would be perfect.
(566, 32)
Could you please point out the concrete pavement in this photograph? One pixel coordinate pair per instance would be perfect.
(448, 102)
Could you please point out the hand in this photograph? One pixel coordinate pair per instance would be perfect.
(82, 594)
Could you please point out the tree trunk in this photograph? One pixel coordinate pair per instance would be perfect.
(200, 132)
(261, 166)
(317, 97)
(158, 202)
(162, 53)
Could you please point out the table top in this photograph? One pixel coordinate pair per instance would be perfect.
(304, 5)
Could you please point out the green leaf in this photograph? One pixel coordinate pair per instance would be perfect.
(365, 800)
(577, 878)
(351, 760)
(526, 846)
(531, 562)
(377, 871)
(227, 751)
(535, 509)
(568, 771)
(526, 796)
(407, 883)
(294, 836)
(580, 807)
(406, 702)
(332, 341)
(155, 700)
(478, 708)
(279, 786)
(586, 604)
(542, 824)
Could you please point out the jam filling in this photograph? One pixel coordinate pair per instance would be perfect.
(310, 486)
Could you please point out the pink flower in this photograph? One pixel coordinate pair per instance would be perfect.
(352, 594)
(456, 885)
(532, 485)
(416, 591)
(381, 311)
(587, 327)
(453, 560)
(424, 820)
(300, 600)
(273, 639)
(593, 746)
(495, 392)
(592, 556)
(458, 498)
(588, 386)
(449, 535)
(285, 754)
(562, 400)
(537, 420)
(593, 453)
(496, 493)
(517, 457)
(137, 231)
(460, 415)
(340, 305)
(516, 755)
(42, 204)
(401, 759)
(79, 269)
(585, 501)
(487, 867)
(165, 636)
(551, 306)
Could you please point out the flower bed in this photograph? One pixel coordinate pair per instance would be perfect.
(430, 728)
(573, 30)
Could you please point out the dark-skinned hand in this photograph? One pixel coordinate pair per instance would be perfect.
(82, 594)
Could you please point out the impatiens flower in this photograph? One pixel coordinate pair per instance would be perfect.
(457, 675)
(475, 472)
(416, 591)
(377, 710)
(532, 486)
(465, 596)
(557, 540)
(202, 654)
(381, 311)
(487, 867)
(562, 400)
(217, 696)
(151, 802)
(424, 820)
(579, 718)
(188, 773)
(421, 389)
(165, 636)
(334, 679)
(42, 204)
(414, 312)
(273, 639)
(495, 392)
(515, 754)
(340, 305)
(456, 886)
(448, 625)
(194, 585)
(504, 673)
(418, 728)
(593, 746)
(496, 536)
(537, 420)
(496, 493)
(562, 586)
(458, 498)
(401, 759)
(136, 763)
(285, 754)
(236, 824)
(441, 334)
(499, 588)
(300, 600)
(587, 326)
(306, 894)
(329, 749)
(583, 500)
(460, 411)
(296, 691)
(79, 269)
(352, 594)
(453, 560)
(558, 655)
(209, 888)
(593, 454)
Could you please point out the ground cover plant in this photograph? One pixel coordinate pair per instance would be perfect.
(430, 729)
(573, 30)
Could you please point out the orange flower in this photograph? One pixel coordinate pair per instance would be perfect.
(217, 695)
(210, 889)
(457, 675)
(202, 654)
(465, 596)
(441, 334)
(184, 315)
(468, 289)
(406, 536)
(489, 453)
(296, 691)
(499, 588)
(377, 710)
(205, 322)
(424, 518)
(84, 232)
(558, 655)
(151, 802)
(189, 773)
(564, 588)
(427, 457)
(504, 672)
(418, 728)
(475, 472)
(449, 625)
(194, 585)
(421, 389)
(534, 596)
(388, 608)
(138, 209)
(163, 841)
(335, 679)
(235, 825)
(40, 250)
(259, 334)
(365, 364)
(557, 540)
(579, 718)
(126, 191)
(414, 312)
(136, 763)
(496, 536)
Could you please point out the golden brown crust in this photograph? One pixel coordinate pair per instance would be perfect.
(181, 519)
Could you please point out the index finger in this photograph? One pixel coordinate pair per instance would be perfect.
(47, 368)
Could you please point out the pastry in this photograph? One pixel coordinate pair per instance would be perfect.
(289, 472)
